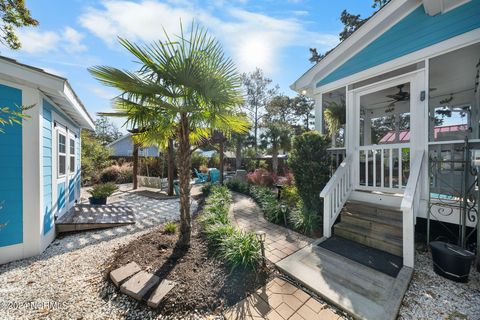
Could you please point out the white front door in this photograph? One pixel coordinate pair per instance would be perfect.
(389, 122)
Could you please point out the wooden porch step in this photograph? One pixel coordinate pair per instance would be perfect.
(372, 209)
(370, 237)
(374, 223)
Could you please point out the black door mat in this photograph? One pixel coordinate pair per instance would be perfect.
(373, 258)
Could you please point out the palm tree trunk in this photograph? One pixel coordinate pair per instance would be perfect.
(135, 166)
(238, 155)
(222, 160)
(171, 166)
(184, 165)
(275, 159)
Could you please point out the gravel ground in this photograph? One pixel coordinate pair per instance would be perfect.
(433, 297)
(66, 281)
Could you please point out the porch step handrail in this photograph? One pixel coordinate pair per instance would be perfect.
(335, 194)
(410, 206)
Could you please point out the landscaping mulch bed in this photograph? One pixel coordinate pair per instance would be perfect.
(204, 284)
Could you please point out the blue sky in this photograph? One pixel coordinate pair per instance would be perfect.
(273, 35)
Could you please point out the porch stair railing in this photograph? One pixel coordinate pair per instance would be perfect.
(335, 194)
(410, 206)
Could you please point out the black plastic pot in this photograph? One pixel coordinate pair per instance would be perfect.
(97, 201)
(451, 261)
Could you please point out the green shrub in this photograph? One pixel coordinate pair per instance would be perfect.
(235, 248)
(217, 206)
(238, 186)
(217, 232)
(290, 196)
(170, 227)
(103, 190)
(268, 202)
(304, 220)
(117, 174)
(310, 165)
(241, 249)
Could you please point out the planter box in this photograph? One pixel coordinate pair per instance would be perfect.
(97, 201)
(451, 261)
(152, 182)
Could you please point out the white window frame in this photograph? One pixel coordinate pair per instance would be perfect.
(61, 132)
(71, 155)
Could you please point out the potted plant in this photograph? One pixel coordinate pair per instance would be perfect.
(101, 192)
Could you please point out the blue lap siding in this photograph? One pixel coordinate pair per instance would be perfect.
(11, 184)
(47, 146)
(414, 32)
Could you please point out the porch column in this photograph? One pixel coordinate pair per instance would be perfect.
(318, 113)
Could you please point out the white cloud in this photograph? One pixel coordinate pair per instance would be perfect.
(36, 41)
(104, 93)
(53, 71)
(253, 39)
(73, 40)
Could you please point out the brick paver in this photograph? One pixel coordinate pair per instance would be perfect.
(281, 300)
(280, 242)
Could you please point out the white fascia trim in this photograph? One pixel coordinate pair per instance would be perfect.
(77, 104)
(437, 49)
(59, 110)
(118, 140)
(397, 9)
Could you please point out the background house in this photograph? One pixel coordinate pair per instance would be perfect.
(123, 147)
(39, 160)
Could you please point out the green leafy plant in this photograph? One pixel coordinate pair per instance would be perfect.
(241, 249)
(267, 200)
(103, 190)
(238, 186)
(235, 248)
(170, 227)
(207, 189)
(290, 195)
(309, 162)
(304, 220)
(217, 232)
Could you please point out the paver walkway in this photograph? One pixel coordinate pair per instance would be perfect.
(280, 300)
(280, 242)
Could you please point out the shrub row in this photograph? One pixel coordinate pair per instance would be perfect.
(299, 217)
(236, 248)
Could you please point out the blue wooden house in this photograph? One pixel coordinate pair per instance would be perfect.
(405, 88)
(39, 160)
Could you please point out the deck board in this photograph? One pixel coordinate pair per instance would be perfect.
(359, 290)
(87, 217)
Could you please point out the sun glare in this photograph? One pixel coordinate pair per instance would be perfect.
(255, 53)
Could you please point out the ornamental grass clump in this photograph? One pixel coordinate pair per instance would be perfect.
(235, 248)
(170, 228)
(241, 249)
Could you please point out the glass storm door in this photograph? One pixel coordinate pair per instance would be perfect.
(383, 145)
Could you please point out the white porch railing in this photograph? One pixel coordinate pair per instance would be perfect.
(383, 166)
(335, 194)
(410, 207)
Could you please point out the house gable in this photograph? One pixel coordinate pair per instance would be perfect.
(414, 32)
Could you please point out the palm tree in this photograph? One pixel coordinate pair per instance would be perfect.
(187, 81)
(277, 136)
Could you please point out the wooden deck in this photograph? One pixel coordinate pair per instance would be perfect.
(88, 217)
(361, 291)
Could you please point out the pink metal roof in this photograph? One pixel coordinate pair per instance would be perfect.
(389, 137)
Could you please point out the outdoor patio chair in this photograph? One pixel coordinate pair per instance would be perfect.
(201, 177)
(214, 175)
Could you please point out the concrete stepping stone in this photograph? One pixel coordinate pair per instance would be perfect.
(139, 285)
(123, 273)
(161, 291)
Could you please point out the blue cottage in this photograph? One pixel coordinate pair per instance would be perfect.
(39, 160)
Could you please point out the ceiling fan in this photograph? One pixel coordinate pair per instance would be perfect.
(400, 95)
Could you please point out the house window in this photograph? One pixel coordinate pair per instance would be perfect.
(72, 156)
(62, 156)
